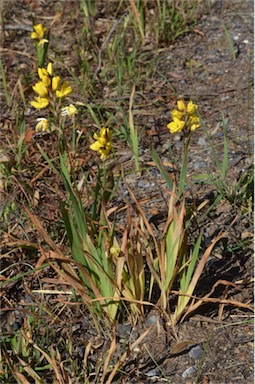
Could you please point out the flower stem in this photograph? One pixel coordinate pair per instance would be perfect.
(184, 163)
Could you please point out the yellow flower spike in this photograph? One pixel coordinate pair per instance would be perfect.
(70, 111)
(102, 143)
(185, 118)
(181, 105)
(55, 83)
(41, 89)
(40, 102)
(191, 108)
(42, 125)
(50, 69)
(63, 90)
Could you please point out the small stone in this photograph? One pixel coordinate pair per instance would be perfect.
(151, 320)
(196, 352)
(142, 184)
(153, 372)
(123, 330)
(224, 98)
(189, 371)
(202, 141)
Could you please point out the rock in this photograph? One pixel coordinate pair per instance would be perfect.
(153, 372)
(189, 371)
(196, 352)
(151, 320)
(202, 141)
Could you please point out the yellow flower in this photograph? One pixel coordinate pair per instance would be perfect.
(70, 110)
(44, 77)
(177, 115)
(176, 126)
(50, 69)
(39, 33)
(45, 74)
(194, 123)
(102, 143)
(41, 89)
(115, 251)
(42, 125)
(191, 108)
(104, 150)
(105, 133)
(55, 83)
(181, 105)
(40, 102)
(63, 90)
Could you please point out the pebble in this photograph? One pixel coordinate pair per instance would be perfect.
(123, 330)
(202, 141)
(224, 98)
(199, 164)
(189, 371)
(142, 184)
(153, 372)
(196, 352)
(151, 320)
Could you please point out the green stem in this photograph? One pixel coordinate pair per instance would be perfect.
(184, 164)
(73, 136)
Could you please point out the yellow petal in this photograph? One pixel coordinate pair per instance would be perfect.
(50, 68)
(63, 90)
(181, 105)
(40, 102)
(41, 89)
(103, 141)
(191, 108)
(55, 83)
(42, 125)
(176, 126)
(177, 115)
(42, 42)
(96, 146)
(106, 133)
(39, 32)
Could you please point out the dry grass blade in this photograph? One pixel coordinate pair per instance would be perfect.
(42, 231)
(30, 371)
(137, 19)
(198, 271)
(21, 377)
(207, 299)
(58, 376)
(85, 359)
(125, 354)
(109, 355)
